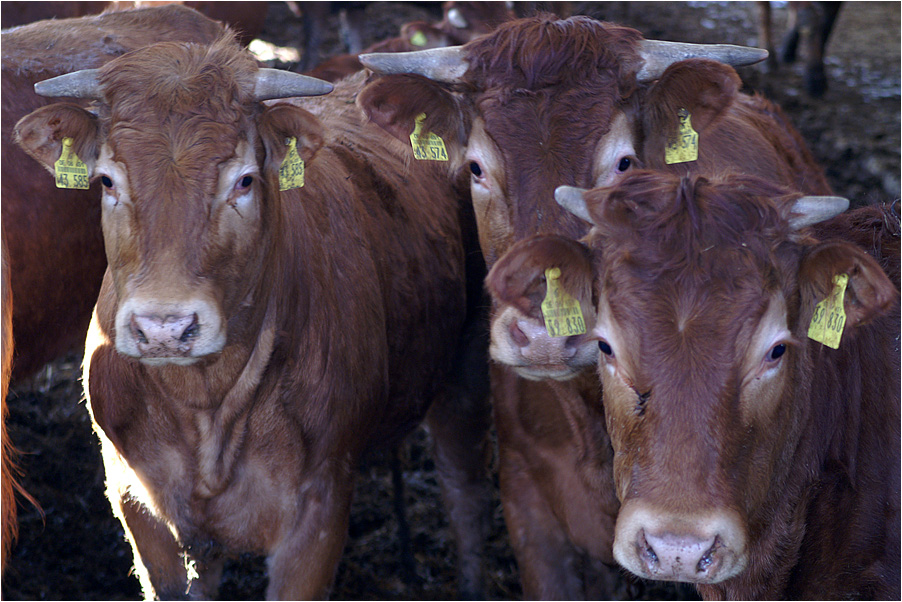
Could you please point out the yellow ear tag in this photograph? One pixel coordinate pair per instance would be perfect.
(829, 316)
(291, 174)
(426, 145)
(70, 171)
(563, 317)
(418, 39)
(684, 147)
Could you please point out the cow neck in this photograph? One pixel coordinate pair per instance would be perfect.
(221, 431)
(590, 436)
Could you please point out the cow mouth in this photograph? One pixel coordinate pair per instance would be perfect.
(557, 372)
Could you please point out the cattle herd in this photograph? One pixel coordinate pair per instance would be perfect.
(554, 235)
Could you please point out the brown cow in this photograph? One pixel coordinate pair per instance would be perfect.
(538, 103)
(53, 235)
(245, 18)
(750, 459)
(248, 344)
(56, 257)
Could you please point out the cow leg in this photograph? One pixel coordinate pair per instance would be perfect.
(302, 566)
(458, 422)
(547, 562)
(159, 561)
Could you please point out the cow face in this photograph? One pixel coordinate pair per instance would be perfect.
(705, 295)
(187, 159)
(536, 104)
(534, 109)
(518, 286)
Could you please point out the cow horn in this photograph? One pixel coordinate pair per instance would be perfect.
(573, 200)
(438, 64)
(275, 83)
(809, 210)
(659, 55)
(78, 84)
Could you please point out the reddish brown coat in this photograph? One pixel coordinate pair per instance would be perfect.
(545, 103)
(342, 310)
(721, 410)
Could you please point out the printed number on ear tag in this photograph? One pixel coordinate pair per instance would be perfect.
(426, 145)
(829, 316)
(684, 147)
(291, 173)
(563, 317)
(69, 170)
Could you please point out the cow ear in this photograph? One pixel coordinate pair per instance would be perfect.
(41, 134)
(869, 293)
(703, 87)
(518, 278)
(281, 122)
(394, 102)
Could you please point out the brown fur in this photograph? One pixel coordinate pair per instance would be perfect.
(56, 255)
(348, 304)
(813, 472)
(57, 262)
(546, 92)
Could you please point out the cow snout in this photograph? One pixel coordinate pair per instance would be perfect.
(523, 343)
(165, 336)
(160, 333)
(703, 549)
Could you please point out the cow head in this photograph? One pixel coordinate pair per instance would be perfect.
(188, 159)
(536, 104)
(518, 286)
(705, 291)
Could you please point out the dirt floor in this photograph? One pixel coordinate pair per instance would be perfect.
(74, 549)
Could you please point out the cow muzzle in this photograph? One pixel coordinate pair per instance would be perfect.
(704, 548)
(523, 343)
(169, 333)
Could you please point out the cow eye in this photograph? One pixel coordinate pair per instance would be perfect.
(475, 169)
(624, 164)
(106, 181)
(244, 183)
(605, 348)
(775, 353)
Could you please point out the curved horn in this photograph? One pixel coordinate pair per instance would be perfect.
(275, 83)
(573, 200)
(659, 55)
(809, 210)
(438, 64)
(78, 84)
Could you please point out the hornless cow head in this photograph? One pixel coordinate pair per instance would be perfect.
(704, 292)
(188, 158)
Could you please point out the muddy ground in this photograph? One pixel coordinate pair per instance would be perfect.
(74, 549)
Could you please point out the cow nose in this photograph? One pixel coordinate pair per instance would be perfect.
(681, 558)
(704, 547)
(165, 336)
(537, 346)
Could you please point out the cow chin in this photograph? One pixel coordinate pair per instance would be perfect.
(169, 333)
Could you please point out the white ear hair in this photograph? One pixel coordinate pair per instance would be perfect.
(573, 200)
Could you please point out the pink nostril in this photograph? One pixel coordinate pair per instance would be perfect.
(518, 336)
(165, 332)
